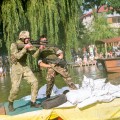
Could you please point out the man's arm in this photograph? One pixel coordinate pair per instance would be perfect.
(42, 64)
(36, 54)
(14, 51)
(59, 53)
(18, 54)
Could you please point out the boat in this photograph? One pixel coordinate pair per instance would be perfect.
(110, 64)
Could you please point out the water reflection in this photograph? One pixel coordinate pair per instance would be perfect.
(114, 78)
(77, 74)
(5, 85)
(89, 71)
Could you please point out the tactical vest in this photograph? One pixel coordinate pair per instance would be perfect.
(48, 53)
(24, 57)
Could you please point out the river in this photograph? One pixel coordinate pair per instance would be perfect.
(77, 74)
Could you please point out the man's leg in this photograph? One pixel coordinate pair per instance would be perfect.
(15, 79)
(66, 76)
(50, 81)
(30, 77)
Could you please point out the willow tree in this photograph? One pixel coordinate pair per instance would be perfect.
(13, 20)
(58, 19)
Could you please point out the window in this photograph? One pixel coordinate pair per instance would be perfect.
(116, 19)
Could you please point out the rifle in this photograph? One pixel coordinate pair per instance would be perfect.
(36, 43)
(20, 46)
(57, 61)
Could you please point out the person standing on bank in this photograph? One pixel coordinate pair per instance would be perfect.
(19, 70)
(52, 59)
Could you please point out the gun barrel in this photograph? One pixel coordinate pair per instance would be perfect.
(20, 46)
(38, 42)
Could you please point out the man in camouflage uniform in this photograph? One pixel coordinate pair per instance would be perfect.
(50, 58)
(19, 69)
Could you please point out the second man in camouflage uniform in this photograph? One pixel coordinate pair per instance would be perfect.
(50, 58)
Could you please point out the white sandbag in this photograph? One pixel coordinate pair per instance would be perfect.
(99, 84)
(116, 94)
(112, 88)
(87, 102)
(72, 96)
(76, 96)
(99, 92)
(87, 82)
(42, 91)
(105, 98)
(64, 105)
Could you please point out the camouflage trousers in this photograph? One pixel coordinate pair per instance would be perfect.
(18, 73)
(51, 78)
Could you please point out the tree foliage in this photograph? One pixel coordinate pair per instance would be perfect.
(100, 29)
(13, 20)
(96, 4)
(115, 4)
(58, 19)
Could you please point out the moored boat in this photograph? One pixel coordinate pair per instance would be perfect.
(109, 63)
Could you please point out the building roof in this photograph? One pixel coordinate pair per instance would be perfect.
(104, 9)
(101, 10)
(110, 40)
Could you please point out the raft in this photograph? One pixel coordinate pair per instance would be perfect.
(98, 111)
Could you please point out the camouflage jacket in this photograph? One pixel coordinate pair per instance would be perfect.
(17, 55)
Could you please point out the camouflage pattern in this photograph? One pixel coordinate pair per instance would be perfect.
(24, 34)
(65, 75)
(51, 53)
(19, 71)
(36, 54)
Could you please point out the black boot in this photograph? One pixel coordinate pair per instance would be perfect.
(34, 104)
(48, 96)
(10, 107)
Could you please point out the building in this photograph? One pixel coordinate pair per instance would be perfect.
(112, 19)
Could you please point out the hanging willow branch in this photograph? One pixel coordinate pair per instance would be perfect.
(13, 20)
(58, 19)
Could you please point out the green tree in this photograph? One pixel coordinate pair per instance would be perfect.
(58, 19)
(115, 4)
(100, 29)
(96, 4)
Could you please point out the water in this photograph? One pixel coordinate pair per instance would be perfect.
(77, 74)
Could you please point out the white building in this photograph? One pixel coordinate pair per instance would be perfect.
(112, 19)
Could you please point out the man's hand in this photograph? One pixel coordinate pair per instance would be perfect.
(27, 46)
(41, 47)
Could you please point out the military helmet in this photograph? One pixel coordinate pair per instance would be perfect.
(24, 34)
